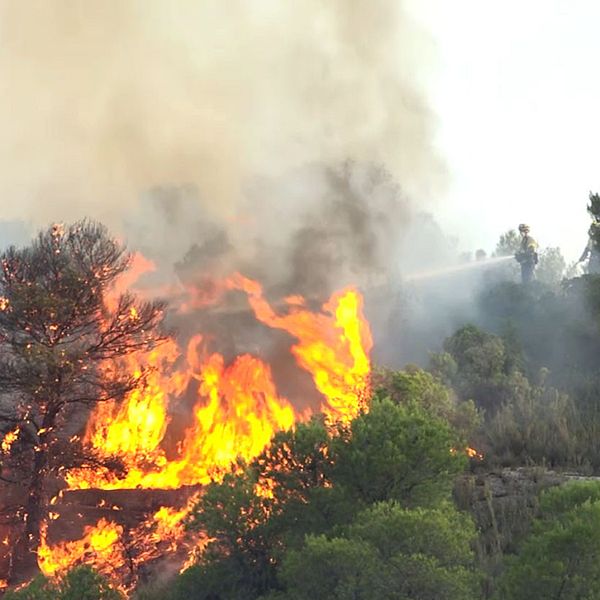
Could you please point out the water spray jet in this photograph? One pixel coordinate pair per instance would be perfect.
(450, 270)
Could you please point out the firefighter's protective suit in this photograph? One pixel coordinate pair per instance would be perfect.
(527, 255)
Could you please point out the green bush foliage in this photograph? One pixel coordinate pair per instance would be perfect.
(397, 452)
(527, 421)
(81, 583)
(388, 552)
(560, 558)
(348, 503)
(416, 387)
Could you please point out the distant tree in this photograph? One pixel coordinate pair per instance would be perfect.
(415, 387)
(479, 365)
(81, 583)
(526, 420)
(478, 354)
(551, 267)
(60, 342)
(545, 330)
(508, 244)
(557, 328)
(559, 559)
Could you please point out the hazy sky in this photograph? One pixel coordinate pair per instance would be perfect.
(517, 95)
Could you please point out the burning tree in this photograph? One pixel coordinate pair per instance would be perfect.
(63, 329)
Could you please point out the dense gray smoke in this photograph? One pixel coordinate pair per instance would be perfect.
(103, 100)
(290, 141)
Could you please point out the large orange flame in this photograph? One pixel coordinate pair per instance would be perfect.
(237, 411)
(333, 346)
(238, 408)
(99, 547)
(136, 427)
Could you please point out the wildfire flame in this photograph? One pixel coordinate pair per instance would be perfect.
(237, 411)
(99, 546)
(169, 523)
(134, 429)
(474, 453)
(333, 346)
(238, 408)
(9, 439)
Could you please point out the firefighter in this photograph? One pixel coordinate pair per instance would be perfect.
(527, 255)
(592, 249)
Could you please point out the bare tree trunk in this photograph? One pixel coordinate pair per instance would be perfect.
(35, 501)
(24, 563)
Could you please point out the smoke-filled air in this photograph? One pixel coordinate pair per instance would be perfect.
(106, 101)
(243, 356)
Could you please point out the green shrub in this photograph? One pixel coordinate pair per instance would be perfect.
(561, 559)
(81, 583)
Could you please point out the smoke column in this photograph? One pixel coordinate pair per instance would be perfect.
(289, 140)
(105, 99)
